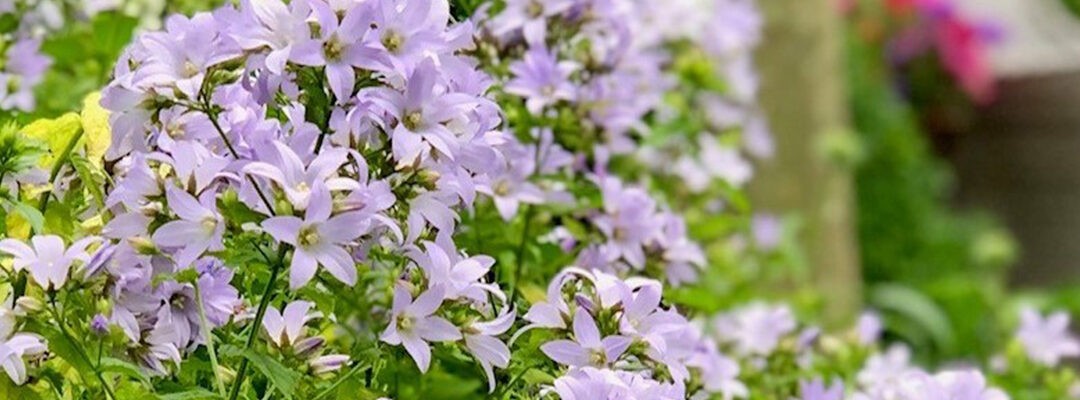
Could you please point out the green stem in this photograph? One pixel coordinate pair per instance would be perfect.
(257, 322)
(218, 382)
(521, 247)
(58, 165)
(79, 347)
(338, 382)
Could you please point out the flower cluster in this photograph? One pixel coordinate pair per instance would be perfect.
(309, 197)
(618, 340)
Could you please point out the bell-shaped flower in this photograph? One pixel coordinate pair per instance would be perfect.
(286, 328)
(319, 239)
(49, 262)
(296, 179)
(1047, 340)
(588, 348)
(413, 324)
(481, 340)
(338, 48)
(200, 227)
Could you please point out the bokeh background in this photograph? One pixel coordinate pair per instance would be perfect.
(930, 150)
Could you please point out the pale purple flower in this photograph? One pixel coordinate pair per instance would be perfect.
(541, 79)
(200, 227)
(719, 373)
(180, 56)
(272, 24)
(816, 390)
(49, 261)
(767, 230)
(337, 47)
(528, 16)
(510, 187)
(628, 220)
(318, 239)
(756, 329)
(968, 385)
(604, 384)
(481, 340)
(1046, 340)
(428, 208)
(868, 328)
(220, 299)
(588, 348)
(14, 347)
(408, 32)
(725, 162)
(420, 112)
(459, 276)
(413, 324)
(886, 368)
(286, 328)
(296, 179)
(25, 67)
(328, 363)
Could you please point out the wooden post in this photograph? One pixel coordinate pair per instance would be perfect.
(803, 95)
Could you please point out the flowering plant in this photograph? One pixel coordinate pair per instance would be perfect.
(365, 199)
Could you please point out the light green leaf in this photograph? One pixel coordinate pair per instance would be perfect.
(284, 379)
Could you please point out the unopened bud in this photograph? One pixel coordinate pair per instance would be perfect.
(26, 304)
(328, 363)
(308, 347)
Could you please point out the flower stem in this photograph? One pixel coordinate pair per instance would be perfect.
(218, 383)
(257, 322)
(521, 247)
(96, 368)
(59, 164)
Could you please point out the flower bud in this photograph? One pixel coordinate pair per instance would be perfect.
(328, 363)
(99, 325)
(308, 347)
(26, 304)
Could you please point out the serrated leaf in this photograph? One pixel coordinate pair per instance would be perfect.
(284, 379)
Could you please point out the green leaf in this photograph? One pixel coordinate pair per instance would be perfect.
(69, 351)
(284, 379)
(194, 394)
(90, 176)
(113, 31)
(109, 364)
(913, 306)
(32, 215)
(8, 390)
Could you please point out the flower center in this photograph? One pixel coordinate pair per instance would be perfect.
(535, 9)
(333, 49)
(190, 69)
(618, 234)
(13, 83)
(392, 41)
(405, 323)
(302, 187)
(412, 120)
(502, 188)
(597, 357)
(547, 90)
(209, 224)
(309, 236)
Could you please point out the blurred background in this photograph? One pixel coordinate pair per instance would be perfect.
(932, 151)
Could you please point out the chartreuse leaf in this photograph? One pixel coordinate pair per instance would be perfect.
(56, 133)
(95, 124)
(284, 379)
(60, 345)
(109, 364)
(22, 219)
(8, 390)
